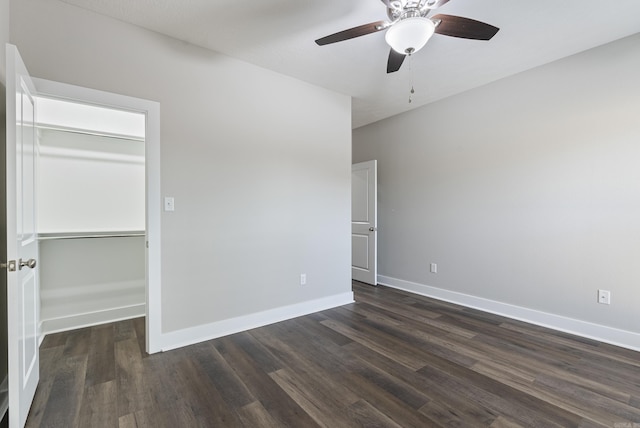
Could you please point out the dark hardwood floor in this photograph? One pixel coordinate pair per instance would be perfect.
(390, 360)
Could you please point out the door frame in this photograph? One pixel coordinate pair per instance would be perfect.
(151, 110)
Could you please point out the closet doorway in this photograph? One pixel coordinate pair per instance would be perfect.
(99, 208)
(91, 214)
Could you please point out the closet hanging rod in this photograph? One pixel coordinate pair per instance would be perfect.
(89, 235)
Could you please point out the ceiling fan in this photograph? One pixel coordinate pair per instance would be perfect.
(409, 28)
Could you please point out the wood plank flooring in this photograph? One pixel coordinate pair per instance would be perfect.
(392, 359)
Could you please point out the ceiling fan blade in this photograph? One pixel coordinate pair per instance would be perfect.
(457, 26)
(395, 61)
(351, 33)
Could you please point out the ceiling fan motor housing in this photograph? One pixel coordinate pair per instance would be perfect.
(401, 9)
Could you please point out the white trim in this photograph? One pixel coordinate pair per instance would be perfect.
(153, 318)
(613, 336)
(189, 336)
(151, 109)
(88, 319)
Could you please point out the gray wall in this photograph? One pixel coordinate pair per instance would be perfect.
(525, 191)
(258, 163)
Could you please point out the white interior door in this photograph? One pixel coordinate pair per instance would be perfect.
(22, 242)
(364, 205)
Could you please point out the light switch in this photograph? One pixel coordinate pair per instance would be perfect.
(169, 204)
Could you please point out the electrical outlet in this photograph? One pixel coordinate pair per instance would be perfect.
(433, 268)
(303, 279)
(604, 297)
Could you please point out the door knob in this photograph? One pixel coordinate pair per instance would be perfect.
(31, 263)
(372, 229)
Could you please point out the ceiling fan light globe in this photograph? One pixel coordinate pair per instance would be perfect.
(410, 35)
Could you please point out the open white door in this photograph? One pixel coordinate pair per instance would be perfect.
(364, 205)
(22, 242)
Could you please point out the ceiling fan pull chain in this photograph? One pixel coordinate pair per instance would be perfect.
(411, 79)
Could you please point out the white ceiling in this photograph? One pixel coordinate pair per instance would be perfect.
(279, 35)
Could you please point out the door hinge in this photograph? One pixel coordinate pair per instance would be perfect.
(11, 265)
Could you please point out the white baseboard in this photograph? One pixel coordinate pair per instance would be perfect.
(88, 319)
(614, 336)
(190, 336)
